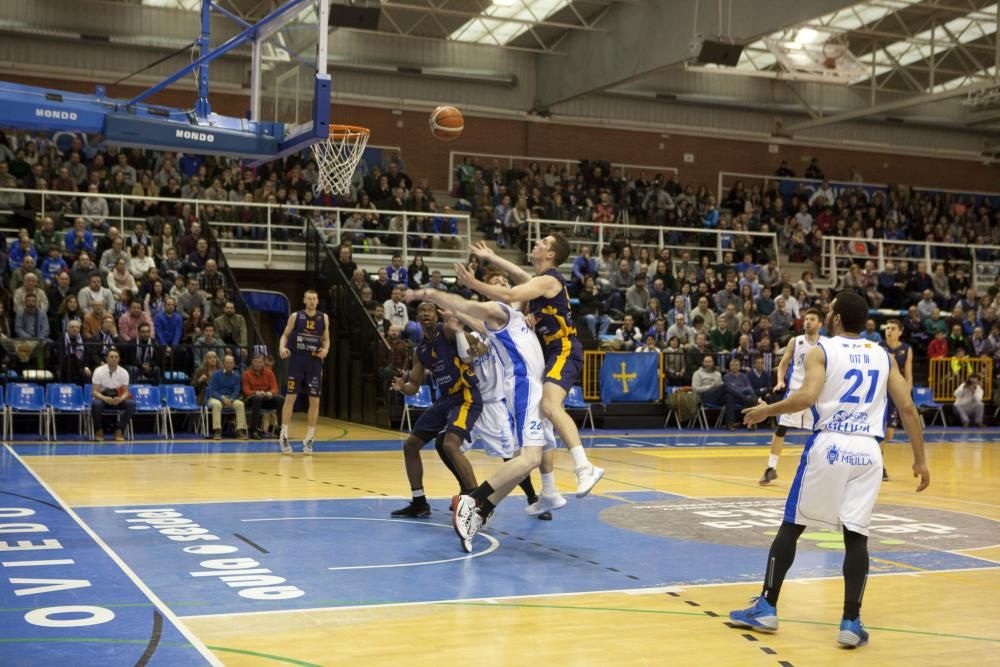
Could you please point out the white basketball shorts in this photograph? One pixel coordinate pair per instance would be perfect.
(837, 482)
(800, 420)
(494, 430)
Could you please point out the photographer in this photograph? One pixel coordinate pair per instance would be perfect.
(969, 401)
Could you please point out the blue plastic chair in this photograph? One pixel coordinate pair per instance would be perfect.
(27, 399)
(180, 398)
(69, 399)
(574, 401)
(923, 398)
(148, 402)
(419, 401)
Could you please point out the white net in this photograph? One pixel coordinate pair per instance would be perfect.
(337, 157)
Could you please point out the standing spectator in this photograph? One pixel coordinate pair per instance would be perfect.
(969, 401)
(72, 356)
(110, 389)
(395, 308)
(223, 391)
(169, 328)
(260, 391)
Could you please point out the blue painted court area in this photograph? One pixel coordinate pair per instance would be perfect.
(333, 553)
(61, 594)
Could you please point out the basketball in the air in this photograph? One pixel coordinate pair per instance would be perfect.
(447, 123)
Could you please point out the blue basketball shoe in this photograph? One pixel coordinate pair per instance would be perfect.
(762, 616)
(852, 633)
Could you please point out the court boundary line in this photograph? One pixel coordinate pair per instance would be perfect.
(158, 604)
(674, 588)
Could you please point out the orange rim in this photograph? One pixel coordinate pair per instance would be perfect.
(346, 131)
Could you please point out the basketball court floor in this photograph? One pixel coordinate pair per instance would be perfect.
(189, 552)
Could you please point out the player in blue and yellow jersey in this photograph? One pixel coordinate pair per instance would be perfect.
(305, 343)
(453, 414)
(548, 304)
(903, 354)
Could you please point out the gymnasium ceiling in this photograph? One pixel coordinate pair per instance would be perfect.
(932, 64)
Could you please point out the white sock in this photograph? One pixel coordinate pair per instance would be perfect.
(579, 457)
(284, 430)
(548, 483)
(418, 493)
(311, 433)
(772, 461)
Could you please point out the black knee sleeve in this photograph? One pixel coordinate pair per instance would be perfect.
(781, 430)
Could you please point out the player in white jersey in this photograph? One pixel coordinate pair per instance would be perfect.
(837, 483)
(494, 429)
(521, 356)
(791, 372)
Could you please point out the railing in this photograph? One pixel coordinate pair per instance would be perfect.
(697, 241)
(356, 389)
(455, 158)
(273, 232)
(949, 372)
(840, 252)
(788, 186)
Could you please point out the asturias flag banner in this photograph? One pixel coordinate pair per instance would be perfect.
(630, 377)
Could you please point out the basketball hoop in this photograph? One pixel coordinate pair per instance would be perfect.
(832, 52)
(337, 157)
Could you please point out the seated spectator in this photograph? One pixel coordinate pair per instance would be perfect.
(196, 261)
(395, 308)
(584, 265)
(119, 279)
(27, 268)
(418, 274)
(981, 346)
(211, 280)
(217, 305)
(637, 300)
(659, 333)
(231, 327)
(381, 287)
(168, 326)
(131, 320)
(969, 401)
(628, 334)
(436, 282)
(444, 229)
(956, 339)
(591, 310)
(396, 272)
(171, 268)
(223, 392)
(104, 341)
(927, 305)
(53, 265)
(704, 311)
(71, 356)
(80, 274)
(140, 263)
(378, 318)
(69, 310)
(191, 299)
(740, 389)
(111, 256)
(871, 332)
(79, 239)
(31, 322)
(94, 209)
(31, 286)
(20, 250)
(941, 286)
(744, 352)
(760, 379)
(648, 345)
(681, 330)
(723, 337)
(207, 342)
(47, 236)
(144, 363)
(260, 392)
(708, 383)
(203, 374)
(110, 390)
(938, 348)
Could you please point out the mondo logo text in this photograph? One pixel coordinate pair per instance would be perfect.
(203, 137)
(58, 115)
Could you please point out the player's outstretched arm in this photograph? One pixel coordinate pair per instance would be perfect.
(899, 391)
(799, 400)
(537, 286)
(516, 274)
(486, 312)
